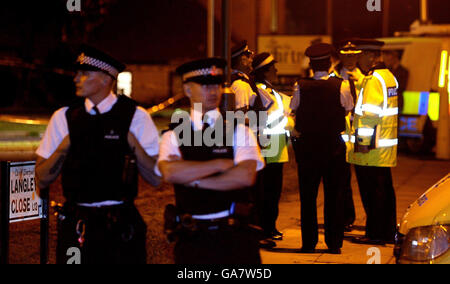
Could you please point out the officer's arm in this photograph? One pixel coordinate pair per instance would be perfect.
(47, 170)
(295, 102)
(288, 112)
(146, 163)
(242, 93)
(358, 77)
(184, 172)
(241, 176)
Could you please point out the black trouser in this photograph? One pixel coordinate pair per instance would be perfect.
(273, 185)
(112, 235)
(349, 205)
(321, 158)
(378, 198)
(258, 199)
(221, 246)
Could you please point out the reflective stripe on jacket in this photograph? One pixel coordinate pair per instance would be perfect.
(278, 124)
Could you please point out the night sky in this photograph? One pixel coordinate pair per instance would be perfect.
(158, 31)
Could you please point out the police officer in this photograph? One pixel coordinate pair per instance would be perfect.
(277, 130)
(212, 181)
(249, 98)
(321, 104)
(348, 57)
(374, 144)
(95, 144)
(247, 95)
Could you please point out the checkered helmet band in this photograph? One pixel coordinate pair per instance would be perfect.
(83, 59)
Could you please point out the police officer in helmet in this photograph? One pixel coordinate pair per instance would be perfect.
(212, 181)
(321, 104)
(98, 144)
(374, 143)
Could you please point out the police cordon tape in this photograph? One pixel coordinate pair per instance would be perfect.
(23, 120)
(165, 104)
(44, 121)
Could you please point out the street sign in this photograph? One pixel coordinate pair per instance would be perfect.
(19, 202)
(24, 204)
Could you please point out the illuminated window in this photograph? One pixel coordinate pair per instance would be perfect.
(448, 81)
(124, 83)
(443, 69)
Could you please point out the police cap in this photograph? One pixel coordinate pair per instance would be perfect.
(240, 49)
(369, 44)
(319, 51)
(262, 59)
(207, 71)
(92, 59)
(348, 47)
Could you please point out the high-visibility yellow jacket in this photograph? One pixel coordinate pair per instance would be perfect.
(375, 121)
(278, 125)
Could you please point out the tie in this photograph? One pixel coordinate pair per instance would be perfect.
(205, 119)
(97, 112)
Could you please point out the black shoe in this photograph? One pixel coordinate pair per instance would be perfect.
(267, 244)
(276, 235)
(307, 250)
(368, 241)
(348, 228)
(334, 251)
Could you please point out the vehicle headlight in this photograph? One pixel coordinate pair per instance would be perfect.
(424, 244)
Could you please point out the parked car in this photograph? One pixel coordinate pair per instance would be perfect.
(424, 232)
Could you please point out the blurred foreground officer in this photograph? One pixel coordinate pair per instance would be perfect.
(95, 144)
(375, 141)
(321, 104)
(212, 181)
(277, 128)
(348, 56)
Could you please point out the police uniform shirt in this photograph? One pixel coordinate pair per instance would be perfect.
(245, 96)
(346, 95)
(142, 127)
(344, 73)
(245, 143)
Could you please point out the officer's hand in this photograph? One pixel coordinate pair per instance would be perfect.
(295, 133)
(355, 75)
(173, 158)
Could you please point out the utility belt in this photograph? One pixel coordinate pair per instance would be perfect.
(120, 218)
(181, 225)
(70, 209)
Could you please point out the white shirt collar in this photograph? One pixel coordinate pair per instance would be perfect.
(103, 107)
(344, 73)
(321, 75)
(197, 116)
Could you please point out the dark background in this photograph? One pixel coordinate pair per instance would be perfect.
(45, 35)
